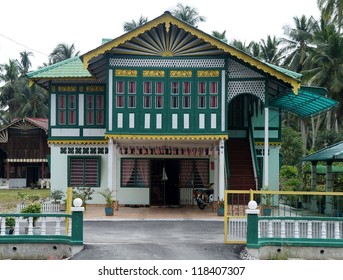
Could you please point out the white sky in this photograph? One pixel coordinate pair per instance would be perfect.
(39, 25)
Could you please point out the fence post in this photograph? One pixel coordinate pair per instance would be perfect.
(77, 222)
(252, 224)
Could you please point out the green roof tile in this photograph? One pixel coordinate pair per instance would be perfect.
(69, 68)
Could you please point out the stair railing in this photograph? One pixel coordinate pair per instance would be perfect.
(256, 168)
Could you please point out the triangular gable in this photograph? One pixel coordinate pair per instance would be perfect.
(147, 38)
(23, 123)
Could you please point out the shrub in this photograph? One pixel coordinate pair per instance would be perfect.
(289, 172)
(32, 209)
(57, 195)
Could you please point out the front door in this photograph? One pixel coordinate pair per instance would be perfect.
(164, 182)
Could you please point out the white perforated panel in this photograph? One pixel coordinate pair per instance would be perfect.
(237, 70)
(256, 88)
(172, 63)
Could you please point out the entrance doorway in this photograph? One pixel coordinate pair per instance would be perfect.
(32, 175)
(165, 182)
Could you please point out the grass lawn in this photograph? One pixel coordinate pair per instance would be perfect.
(9, 197)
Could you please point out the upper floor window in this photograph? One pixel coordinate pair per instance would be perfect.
(213, 94)
(159, 91)
(175, 90)
(120, 88)
(147, 91)
(201, 95)
(186, 98)
(66, 109)
(132, 89)
(94, 109)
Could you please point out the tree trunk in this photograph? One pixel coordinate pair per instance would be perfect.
(328, 120)
(303, 132)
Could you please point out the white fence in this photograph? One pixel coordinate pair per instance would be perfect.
(47, 207)
(301, 228)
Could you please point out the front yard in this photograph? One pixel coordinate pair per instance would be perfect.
(9, 198)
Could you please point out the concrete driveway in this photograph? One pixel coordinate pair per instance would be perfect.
(156, 240)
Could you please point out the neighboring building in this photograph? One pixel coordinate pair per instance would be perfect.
(24, 152)
(166, 108)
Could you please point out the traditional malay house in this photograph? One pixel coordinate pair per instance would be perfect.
(166, 108)
(24, 152)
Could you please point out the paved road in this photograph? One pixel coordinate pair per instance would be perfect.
(156, 240)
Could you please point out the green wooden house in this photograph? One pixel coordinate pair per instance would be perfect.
(167, 108)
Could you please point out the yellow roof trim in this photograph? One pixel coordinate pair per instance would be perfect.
(168, 19)
(78, 142)
(165, 137)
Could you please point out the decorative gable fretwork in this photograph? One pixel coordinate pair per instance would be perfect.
(237, 70)
(4, 136)
(170, 63)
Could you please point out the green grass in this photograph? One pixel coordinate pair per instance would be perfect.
(9, 198)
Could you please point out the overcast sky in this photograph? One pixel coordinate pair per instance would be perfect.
(39, 25)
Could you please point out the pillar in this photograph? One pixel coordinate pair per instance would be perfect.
(252, 224)
(313, 185)
(329, 188)
(221, 170)
(266, 149)
(77, 222)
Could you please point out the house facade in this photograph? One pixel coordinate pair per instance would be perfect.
(162, 110)
(24, 152)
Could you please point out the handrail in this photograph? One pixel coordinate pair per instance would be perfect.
(227, 169)
(256, 168)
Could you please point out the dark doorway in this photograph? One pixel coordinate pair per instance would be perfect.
(164, 182)
(32, 175)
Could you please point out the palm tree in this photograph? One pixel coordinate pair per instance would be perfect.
(24, 64)
(129, 26)
(220, 35)
(324, 66)
(332, 10)
(62, 52)
(252, 48)
(188, 14)
(269, 50)
(33, 100)
(296, 45)
(10, 89)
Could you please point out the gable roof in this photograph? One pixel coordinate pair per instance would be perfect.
(41, 123)
(24, 124)
(169, 36)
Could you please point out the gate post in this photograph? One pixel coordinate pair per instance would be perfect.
(77, 222)
(252, 224)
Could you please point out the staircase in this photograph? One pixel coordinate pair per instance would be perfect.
(240, 165)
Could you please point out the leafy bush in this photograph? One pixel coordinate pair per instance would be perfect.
(289, 172)
(84, 193)
(10, 222)
(57, 195)
(31, 209)
(294, 184)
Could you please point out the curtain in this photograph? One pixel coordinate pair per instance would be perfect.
(144, 171)
(127, 169)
